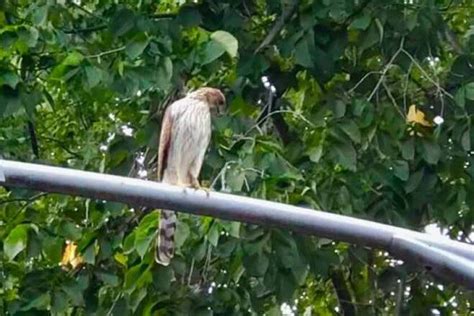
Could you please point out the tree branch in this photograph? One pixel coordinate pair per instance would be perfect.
(278, 26)
(87, 29)
(343, 294)
(33, 139)
(29, 200)
(107, 52)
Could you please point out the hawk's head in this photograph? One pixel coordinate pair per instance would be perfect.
(212, 96)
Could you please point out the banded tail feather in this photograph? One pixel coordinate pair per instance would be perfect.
(165, 238)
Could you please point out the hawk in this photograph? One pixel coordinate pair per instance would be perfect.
(185, 136)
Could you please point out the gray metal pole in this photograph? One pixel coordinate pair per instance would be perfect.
(444, 264)
(225, 206)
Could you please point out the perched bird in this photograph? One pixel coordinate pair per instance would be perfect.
(185, 136)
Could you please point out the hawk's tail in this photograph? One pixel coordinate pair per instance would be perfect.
(165, 238)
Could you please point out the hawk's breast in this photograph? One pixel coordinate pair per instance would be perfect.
(190, 135)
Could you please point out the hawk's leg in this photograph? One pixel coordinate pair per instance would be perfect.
(197, 186)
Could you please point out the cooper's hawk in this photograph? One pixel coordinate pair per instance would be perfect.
(185, 135)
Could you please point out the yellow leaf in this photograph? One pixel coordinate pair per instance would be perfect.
(417, 116)
(70, 257)
(121, 258)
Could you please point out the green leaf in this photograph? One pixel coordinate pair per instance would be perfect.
(16, 241)
(137, 276)
(70, 231)
(274, 311)
(52, 248)
(162, 277)
(10, 103)
(189, 16)
(146, 232)
(345, 155)
(164, 73)
(89, 254)
(129, 243)
(132, 276)
(227, 41)
(28, 36)
(370, 37)
(303, 55)
(256, 265)
(136, 46)
(235, 179)
(235, 229)
(182, 233)
(212, 51)
(401, 170)
(321, 261)
(40, 302)
(339, 109)
(213, 234)
(466, 140)
(460, 97)
(40, 15)
(9, 78)
(352, 130)
(30, 101)
(74, 291)
(286, 286)
(143, 241)
(315, 153)
(108, 278)
(122, 22)
(431, 152)
(59, 302)
(73, 59)
(362, 22)
(408, 149)
(414, 181)
(67, 69)
(469, 91)
(94, 76)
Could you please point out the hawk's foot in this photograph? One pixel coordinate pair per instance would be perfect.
(197, 186)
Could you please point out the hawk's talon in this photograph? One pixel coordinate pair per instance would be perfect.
(197, 187)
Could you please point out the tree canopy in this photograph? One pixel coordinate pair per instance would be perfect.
(364, 109)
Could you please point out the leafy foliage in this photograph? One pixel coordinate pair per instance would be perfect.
(83, 85)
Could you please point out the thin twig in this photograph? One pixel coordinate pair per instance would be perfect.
(86, 11)
(399, 297)
(191, 272)
(278, 26)
(207, 262)
(28, 200)
(425, 74)
(363, 79)
(386, 68)
(394, 102)
(405, 88)
(62, 145)
(114, 303)
(163, 16)
(282, 111)
(89, 29)
(107, 52)
(222, 173)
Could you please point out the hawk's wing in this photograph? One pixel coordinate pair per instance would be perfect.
(165, 140)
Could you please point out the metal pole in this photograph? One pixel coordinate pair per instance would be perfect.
(226, 206)
(439, 262)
